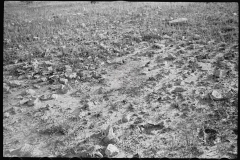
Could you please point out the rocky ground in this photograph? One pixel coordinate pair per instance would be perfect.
(150, 97)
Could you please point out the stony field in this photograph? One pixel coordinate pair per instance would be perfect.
(120, 79)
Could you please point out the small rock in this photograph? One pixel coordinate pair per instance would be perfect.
(63, 80)
(76, 112)
(37, 76)
(87, 106)
(54, 87)
(33, 102)
(83, 25)
(126, 118)
(44, 79)
(136, 155)
(63, 89)
(36, 86)
(28, 92)
(23, 101)
(54, 96)
(166, 37)
(6, 115)
(196, 37)
(96, 75)
(111, 150)
(98, 154)
(147, 64)
(14, 83)
(45, 97)
(177, 89)
(216, 95)
(110, 136)
(22, 77)
(73, 75)
(50, 68)
(68, 68)
(169, 57)
(5, 87)
(216, 73)
(178, 21)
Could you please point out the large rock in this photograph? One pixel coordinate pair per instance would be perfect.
(178, 21)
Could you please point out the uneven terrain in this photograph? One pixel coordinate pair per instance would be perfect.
(120, 79)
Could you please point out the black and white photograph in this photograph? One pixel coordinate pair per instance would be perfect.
(120, 79)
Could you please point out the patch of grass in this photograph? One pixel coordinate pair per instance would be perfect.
(50, 23)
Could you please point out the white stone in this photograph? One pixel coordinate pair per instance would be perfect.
(216, 95)
(111, 150)
(178, 21)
